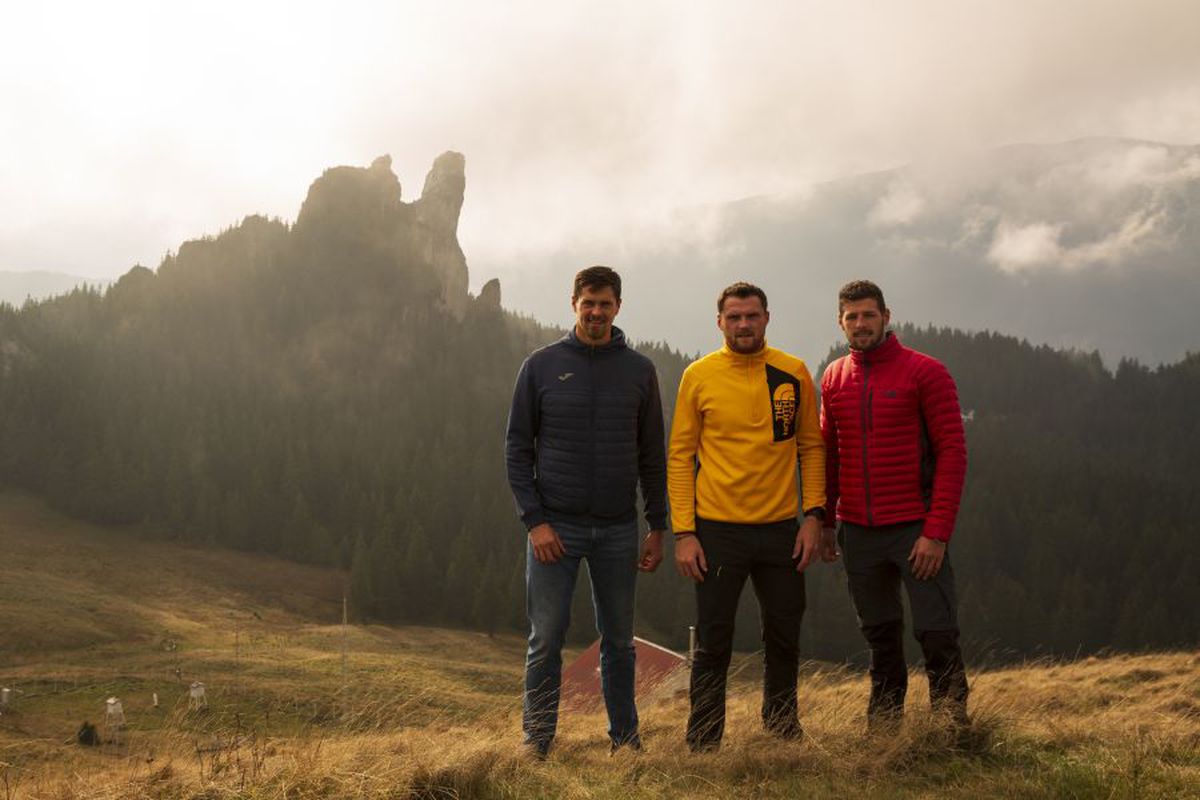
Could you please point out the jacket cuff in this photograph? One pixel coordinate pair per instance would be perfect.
(532, 518)
(687, 525)
(934, 530)
(658, 522)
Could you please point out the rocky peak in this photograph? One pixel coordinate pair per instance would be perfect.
(442, 197)
(437, 217)
(354, 199)
(489, 295)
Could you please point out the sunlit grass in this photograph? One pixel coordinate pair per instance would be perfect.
(301, 708)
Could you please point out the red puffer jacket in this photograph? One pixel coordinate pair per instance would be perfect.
(894, 444)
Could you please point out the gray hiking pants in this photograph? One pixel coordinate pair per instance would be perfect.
(876, 561)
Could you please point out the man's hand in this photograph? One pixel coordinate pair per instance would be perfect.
(808, 540)
(689, 558)
(652, 552)
(926, 557)
(829, 548)
(547, 547)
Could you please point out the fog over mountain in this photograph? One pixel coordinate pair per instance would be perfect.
(1092, 244)
(17, 287)
(330, 391)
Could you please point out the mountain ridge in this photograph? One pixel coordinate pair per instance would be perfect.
(307, 391)
(18, 286)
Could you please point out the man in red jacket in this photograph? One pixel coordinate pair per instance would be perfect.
(895, 463)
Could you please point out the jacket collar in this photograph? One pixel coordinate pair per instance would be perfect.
(617, 342)
(888, 349)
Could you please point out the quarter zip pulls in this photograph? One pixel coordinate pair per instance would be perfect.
(741, 423)
(749, 364)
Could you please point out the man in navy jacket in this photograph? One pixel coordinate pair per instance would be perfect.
(586, 426)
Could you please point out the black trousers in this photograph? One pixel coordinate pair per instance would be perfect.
(762, 553)
(877, 566)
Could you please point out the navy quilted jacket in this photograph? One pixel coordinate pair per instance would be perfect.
(586, 424)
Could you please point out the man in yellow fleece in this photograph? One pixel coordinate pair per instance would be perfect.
(743, 417)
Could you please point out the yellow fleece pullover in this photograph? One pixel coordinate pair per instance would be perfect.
(741, 422)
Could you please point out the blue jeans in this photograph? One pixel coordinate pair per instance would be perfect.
(611, 553)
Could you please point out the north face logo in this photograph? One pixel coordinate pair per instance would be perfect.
(784, 392)
(784, 405)
(566, 376)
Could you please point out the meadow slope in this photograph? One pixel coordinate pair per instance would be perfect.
(301, 708)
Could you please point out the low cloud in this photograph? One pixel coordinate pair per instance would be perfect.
(1020, 247)
(1025, 248)
(577, 120)
(1143, 165)
(1138, 231)
(901, 205)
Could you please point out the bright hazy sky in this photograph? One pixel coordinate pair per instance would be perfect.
(129, 127)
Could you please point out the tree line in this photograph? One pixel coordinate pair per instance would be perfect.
(300, 390)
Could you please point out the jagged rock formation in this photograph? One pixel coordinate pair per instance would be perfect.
(489, 295)
(354, 198)
(437, 212)
(353, 205)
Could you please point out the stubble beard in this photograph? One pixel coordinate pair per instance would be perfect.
(595, 330)
(737, 344)
(870, 343)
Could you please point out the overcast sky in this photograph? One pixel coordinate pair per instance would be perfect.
(127, 128)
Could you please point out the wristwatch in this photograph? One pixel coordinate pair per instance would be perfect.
(816, 511)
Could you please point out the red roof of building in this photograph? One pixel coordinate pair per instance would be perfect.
(581, 680)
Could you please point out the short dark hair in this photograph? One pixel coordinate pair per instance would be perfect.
(860, 290)
(741, 290)
(596, 278)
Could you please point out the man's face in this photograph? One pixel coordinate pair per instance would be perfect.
(743, 320)
(863, 323)
(595, 311)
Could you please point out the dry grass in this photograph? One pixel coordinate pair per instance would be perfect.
(1041, 731)
(429, 713)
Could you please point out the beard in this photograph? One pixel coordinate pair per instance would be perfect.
(596, 329)
(745, 344)
(866, 340)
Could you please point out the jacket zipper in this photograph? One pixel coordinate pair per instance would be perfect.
(749, 389)
(865, 405)
(592, 428)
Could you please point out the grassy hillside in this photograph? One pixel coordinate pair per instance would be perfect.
(66, 585)
(87, 613)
